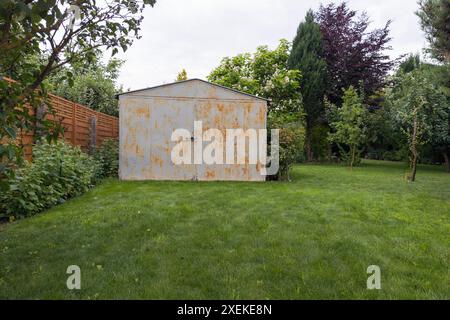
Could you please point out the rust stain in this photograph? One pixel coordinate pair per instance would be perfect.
(157, 160)
(236, 123)
(217, 121)
(137, 149)
(143, 112)
(210, 174)
(208, 107)
(248, 107)
(261, 115)
(212, 92)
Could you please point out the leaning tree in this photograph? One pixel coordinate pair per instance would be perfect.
(422, 113)
(58, 32)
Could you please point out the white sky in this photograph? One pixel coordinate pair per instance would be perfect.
(197, 34)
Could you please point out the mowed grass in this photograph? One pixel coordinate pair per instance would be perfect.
(310, 238)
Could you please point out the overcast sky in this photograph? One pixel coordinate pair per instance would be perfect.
(197, 34)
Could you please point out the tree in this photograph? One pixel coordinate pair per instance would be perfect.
(436, 148)
(348, 125)
(265, 74)
(182, 75)
(63, 32)
(94, 84)
(435, 22)
(352, 53)
(422, 112)
(439, 75)
(306, 56)
(412, 62)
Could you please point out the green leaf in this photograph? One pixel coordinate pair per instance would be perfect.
(11, 132)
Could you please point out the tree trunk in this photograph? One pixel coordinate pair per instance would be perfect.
(353, 151)
(412, 176)
(330, 152)
(309, 153)
(447, 163)
(413, 148)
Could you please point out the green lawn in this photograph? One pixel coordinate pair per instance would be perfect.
(311, 238)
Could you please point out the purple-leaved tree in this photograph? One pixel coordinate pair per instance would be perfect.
(354, 56)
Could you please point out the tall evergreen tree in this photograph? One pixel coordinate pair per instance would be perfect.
(306, 56)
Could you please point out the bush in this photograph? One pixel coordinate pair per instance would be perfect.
(292, 141)
(107, 155)
(388, 155)
(58, 172)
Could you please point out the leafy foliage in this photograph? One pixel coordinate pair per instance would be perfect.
(352, 53)
(306, 56)
(319, 142)
(93, 84)
(65, 33)
(39, 37)
(182, 75)
(349, 126)
(107, 156)
(384, 140)
(18, 119)
(265, 74)
(435, 21)
(421, 111)
(412, 62)
(58, 172)
(291, 145)
(291, 148)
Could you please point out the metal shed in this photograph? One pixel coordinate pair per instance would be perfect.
(148, 118)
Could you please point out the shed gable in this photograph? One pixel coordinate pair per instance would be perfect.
(193, 88)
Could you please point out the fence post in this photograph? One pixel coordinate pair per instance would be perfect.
(41, 110)
(74, 122)
(92, 134)
(112, 127)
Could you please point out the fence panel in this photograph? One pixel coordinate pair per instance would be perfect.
(76, 120)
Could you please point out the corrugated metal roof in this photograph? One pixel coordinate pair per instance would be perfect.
(195, 79)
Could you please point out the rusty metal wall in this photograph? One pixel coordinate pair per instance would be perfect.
(148, 118)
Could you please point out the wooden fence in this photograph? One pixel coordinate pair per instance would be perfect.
(82, 126)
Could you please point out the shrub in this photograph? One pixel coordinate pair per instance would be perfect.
(58, 172)
(291, 143)
(107, 155)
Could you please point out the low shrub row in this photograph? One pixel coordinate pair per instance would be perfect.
(58, 172)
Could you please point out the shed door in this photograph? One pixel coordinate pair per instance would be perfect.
(166, 116)
(219, 115)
